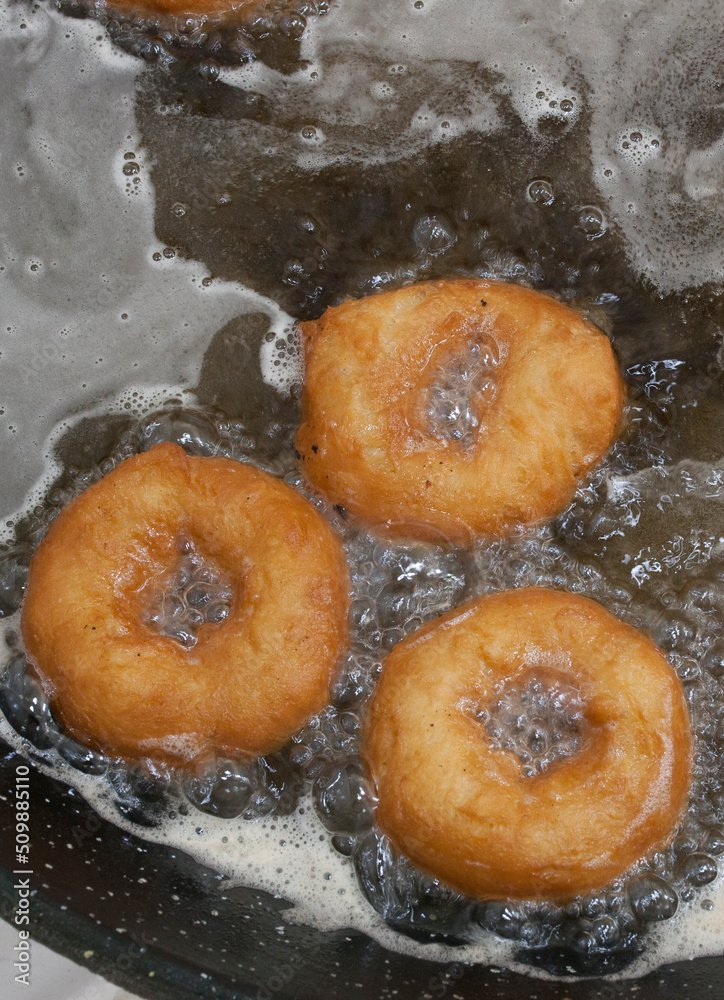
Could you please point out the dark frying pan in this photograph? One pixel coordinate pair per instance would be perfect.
(141, 940)
(510, 202)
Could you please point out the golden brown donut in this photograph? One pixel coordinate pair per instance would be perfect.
(227, 10)
(463, 811)
(251, 680)
(364, 440)
(213, 31)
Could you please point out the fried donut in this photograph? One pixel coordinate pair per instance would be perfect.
(217, 31)
(462, 809)
(228, 10)
(540, 387)
(249, 681)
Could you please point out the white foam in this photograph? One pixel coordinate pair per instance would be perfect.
(99, 313)
(603, 65)
(281, 358)
(289, 857)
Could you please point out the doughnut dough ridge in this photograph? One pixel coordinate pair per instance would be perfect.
(363, 441)
(250, 681)
(464, 813)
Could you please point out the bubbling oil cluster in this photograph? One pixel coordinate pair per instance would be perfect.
(193, 594)
(396, 587)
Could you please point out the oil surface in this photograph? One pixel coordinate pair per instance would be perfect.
(161, 234)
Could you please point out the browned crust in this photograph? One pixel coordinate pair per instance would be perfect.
(362, 441)
(249, 682)
(463, 812)
(233, 11)
(214, 32)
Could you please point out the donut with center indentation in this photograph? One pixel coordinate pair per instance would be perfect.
(453, 409)
(249, 679)
(466, 809)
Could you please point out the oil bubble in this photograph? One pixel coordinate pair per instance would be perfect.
(540, 192)
(433, 234)
(591, 221)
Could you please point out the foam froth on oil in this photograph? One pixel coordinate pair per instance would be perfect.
(418, 76)
(282, 363)
(91, 301)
